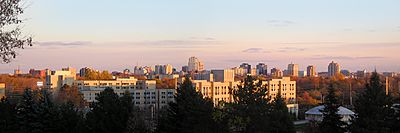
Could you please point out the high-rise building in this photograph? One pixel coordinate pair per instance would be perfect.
(126, 71)
(226, 75)
(262, 69)
(246, 67)
(275, 72)
(167, 69)
(293, 70)
(311, 71)
(239, 71)
(333, 69)
(195, 65)
(185, 69)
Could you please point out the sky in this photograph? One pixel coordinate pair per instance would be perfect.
(118, 34)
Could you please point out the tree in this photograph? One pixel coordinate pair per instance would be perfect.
(7, 116)
(331, 122)
(107, 114)
(70, 120)
(137, 123)
(69, 94)
(250, 110)
(10, 33)
(280, 117)
(190, 113)
(372, 108)
(28, 114)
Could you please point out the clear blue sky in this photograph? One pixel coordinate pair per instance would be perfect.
(118, 34)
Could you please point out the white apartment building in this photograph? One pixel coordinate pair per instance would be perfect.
(144, 92)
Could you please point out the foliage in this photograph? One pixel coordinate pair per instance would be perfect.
(10, 33)
(190, 113)
(372, 108)
(69, 94)
(97, 75)
(331, 122)
(280, 117)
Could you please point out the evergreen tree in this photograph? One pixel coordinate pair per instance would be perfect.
(372, 108)
(331, 122)
(107, 115)
(48, 113)
(28, 114)
(250, 110)
(280, 117)
(7, 117)
(190, 113)
(137, 123)
(70, 120)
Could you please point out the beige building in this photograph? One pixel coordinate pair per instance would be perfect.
(311, 71)
(275, 72)
(144, 92)
(333, 69)
(224, 75)
(293, 70)
(216, 91)
(2, 90)
(56, 79)
(195, 64)
(239, 71)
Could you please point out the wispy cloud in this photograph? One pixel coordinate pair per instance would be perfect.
(323, 57)
(60, 43)
(280, 23)
(255, 50)
(290, 49)
(205, 42)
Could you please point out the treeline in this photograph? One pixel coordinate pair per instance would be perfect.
(91, 74)
(376, 111)
(39, 112)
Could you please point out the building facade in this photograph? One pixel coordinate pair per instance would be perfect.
(275, 72)
(144, 92)
(226, 75)
(262, 69)
(333, 69)
(195, 65)
(311, 71)
(56, 79)
(293, 70)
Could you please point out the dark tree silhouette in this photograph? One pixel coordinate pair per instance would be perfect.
(250, 110)
(7, 117)
(190, 113)
(10, 33)
(331, 122)
(280, 117)
(372, 108)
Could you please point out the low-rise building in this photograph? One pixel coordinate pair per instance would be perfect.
(56, 79)
(144, 92)
(2, 90)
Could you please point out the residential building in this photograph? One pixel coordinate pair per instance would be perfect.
(246, 67)
(216, 91)
(195, 65)
(333, 69)
(224, 75)
(37, 73)
(262, 69)
(311, 71)
(56, 79)
(205, 75)
(293, 70)
(239, 71)
(144, 92)
(302, 73)
(275, 72)
(139, 70)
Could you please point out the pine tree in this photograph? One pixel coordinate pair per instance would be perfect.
(250, 111)
(372, 107)
(7, 117)
(280, 117)
(137, 123)
(331, 122)
(107, 114)
(70, 120)
(190, 113)
(28, 114)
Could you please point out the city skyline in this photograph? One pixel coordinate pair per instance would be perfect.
(358, 35)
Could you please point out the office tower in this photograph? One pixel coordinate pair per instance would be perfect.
(224, 75)
(311, 71)
(262, 69)
(239, 71)
(195, 65)
(205, 75)
(167, 69)
(275, 72)
(246, 67)
(293, 69)
(126, 71)
(158, 69)
(333, 69)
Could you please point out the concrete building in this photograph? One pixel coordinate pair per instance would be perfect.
(163, 69)
(275, 72)
(302, 73)
(246, 67)
(223, 75)
(262, 69)
(285, 86)
(37, 73)
(144, 92)
(311, 71)
(56, 79)
(126, 72)
(2, 90)
(195, 65)
(205, 75)
(293, 70)
(216, 91)
(239, 71)
(139, 70)
(333, 69)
